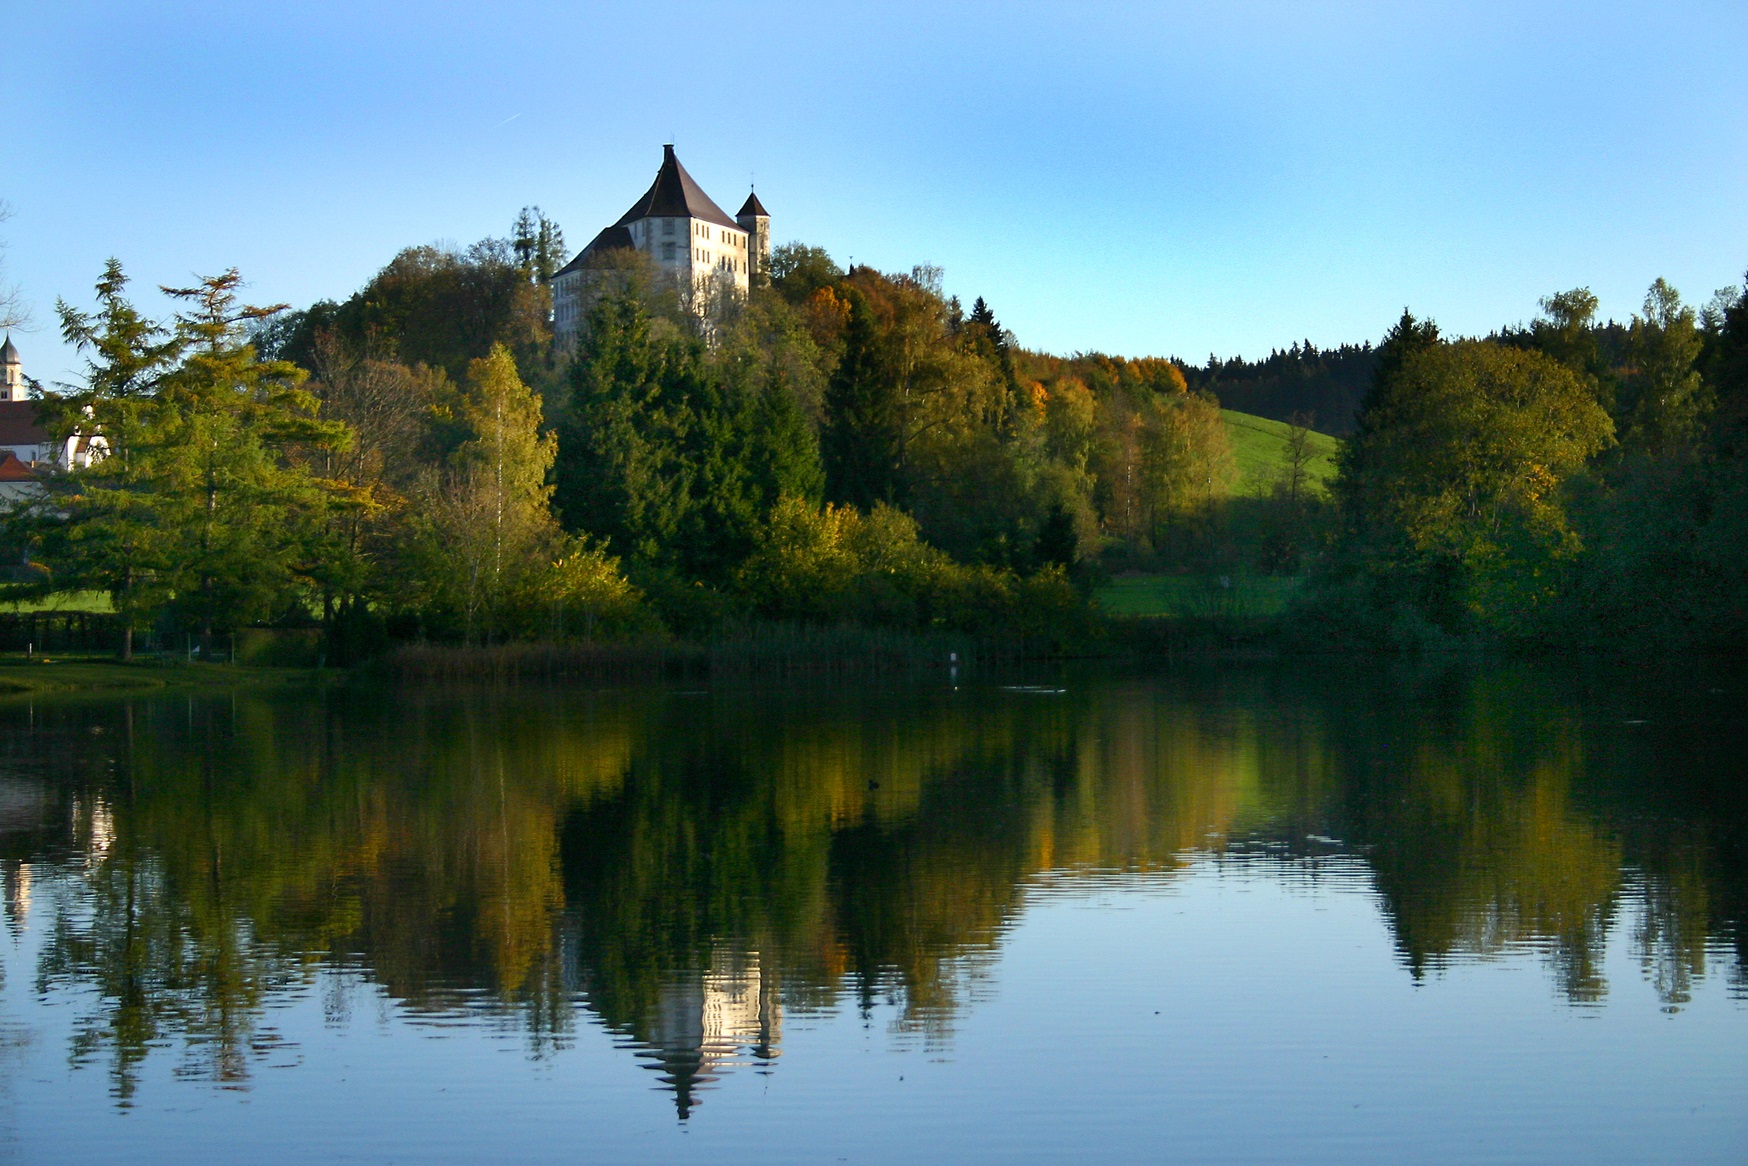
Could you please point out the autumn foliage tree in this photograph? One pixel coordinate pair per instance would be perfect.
(1452, 484)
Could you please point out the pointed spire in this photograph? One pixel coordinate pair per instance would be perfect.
(9, 351)
(752, 206)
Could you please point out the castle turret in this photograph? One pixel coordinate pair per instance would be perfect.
(756, 222)
(11, 372)
(689, 239)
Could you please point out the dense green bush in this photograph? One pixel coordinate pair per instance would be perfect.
(838, 564)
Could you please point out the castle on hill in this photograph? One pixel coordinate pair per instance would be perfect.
(685, 235)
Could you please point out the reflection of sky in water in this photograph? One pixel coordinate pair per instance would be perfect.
(1141, 922)
(1222, 1013)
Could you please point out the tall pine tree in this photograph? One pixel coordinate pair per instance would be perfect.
(863, 439)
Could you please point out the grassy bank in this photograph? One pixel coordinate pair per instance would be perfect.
(1142, 616)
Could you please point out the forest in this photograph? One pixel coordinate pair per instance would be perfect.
(847, 447)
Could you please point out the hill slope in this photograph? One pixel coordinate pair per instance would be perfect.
(1259, 446)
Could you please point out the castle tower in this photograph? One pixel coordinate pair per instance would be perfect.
(686, 236)
(756, 222)
(11, 373)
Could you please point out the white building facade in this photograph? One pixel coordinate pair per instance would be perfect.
(684, 234)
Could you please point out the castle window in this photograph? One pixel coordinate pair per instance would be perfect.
(668, 229)
(667, 250)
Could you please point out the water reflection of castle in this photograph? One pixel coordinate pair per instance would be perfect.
(703, 1022)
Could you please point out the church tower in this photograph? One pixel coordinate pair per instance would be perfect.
(754, 220)
(11, 373)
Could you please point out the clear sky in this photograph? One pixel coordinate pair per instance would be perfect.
(1171, 179)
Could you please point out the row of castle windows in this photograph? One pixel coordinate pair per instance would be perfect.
(700, 255)
(699, 230)
(723, 234)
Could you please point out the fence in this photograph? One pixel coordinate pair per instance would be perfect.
(59, 631)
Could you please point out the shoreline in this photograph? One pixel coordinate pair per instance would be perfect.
(77, 672)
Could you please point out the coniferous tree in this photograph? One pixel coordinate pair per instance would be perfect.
(231, 432)
(1357, 478)
(198, 497)
(109, 540)
(538, 243)
(1728, 373)
(863, 438)
(621, 474)
(670, 456)
(991, 341)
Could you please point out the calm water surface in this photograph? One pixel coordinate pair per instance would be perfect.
(1248, 914)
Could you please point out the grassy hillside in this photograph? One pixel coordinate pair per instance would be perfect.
(1260, 446)
(95, 602)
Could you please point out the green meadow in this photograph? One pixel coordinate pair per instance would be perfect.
(88, 602)
(1260, 451)
(1259, 447)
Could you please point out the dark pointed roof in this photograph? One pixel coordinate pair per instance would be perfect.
(752, 206)
(9, 351)
(20, 425)
(675, 195)
(612, 238)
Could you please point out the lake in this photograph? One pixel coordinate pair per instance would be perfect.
(1354, 912)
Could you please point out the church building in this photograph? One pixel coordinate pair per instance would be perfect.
(26, 447)
(685, 235)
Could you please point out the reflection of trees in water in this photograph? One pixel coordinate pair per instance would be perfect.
(688, 868)
(1499, 816)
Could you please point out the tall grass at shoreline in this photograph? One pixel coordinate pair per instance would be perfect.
(761, 650)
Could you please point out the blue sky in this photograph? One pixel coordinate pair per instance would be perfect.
(1136, 178)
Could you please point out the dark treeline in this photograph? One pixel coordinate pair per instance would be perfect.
(1323, 387)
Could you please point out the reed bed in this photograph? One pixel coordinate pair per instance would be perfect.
(760, 650)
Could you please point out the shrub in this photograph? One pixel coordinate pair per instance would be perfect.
(582, 594)
(837, 564)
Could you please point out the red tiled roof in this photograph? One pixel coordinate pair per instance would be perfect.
(13, 470)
